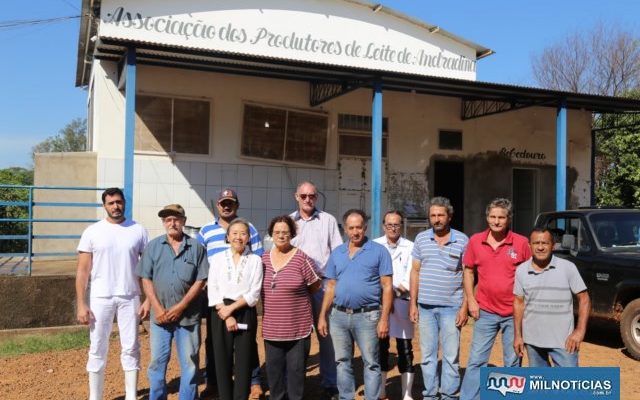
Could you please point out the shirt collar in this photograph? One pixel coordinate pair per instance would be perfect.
(402, 242)
(452, 236)
(297, 216)
(186, 239)
(532, 271)
(508, 240)
(345, 247)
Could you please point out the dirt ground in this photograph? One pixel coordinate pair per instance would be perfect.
(61, 375)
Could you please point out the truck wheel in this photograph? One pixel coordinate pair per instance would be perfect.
(630, 328)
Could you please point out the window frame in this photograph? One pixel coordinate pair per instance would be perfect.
(287, 109)
(364, 134)
(173, 153)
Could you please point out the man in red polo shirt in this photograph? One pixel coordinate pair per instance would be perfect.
(495, 254)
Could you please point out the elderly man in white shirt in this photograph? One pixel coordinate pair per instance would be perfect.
(400, 327)
(317, 235)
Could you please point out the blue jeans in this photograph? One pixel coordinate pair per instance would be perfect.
(485, 330)
(187, 345)
(327, 356)
(361, 327)
(539, 357)
(439, 322)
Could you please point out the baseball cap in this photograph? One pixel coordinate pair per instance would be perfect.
(228, 194)
(172, 209)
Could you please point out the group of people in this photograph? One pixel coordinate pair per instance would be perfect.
(361, 292)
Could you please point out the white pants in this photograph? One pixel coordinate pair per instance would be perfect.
(104, 309)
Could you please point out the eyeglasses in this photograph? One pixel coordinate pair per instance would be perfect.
(227, 204)
(311, 196)
(392, 226)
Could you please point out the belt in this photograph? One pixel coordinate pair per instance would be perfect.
(356, 310)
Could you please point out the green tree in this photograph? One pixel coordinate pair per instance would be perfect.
(618, 158)
(14, 176)
(73, 137)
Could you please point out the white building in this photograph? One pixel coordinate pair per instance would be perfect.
(189, 97)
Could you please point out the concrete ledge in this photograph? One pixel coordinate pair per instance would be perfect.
(37, 301)
(52, 330)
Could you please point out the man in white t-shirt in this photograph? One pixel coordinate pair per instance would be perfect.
(108, 253)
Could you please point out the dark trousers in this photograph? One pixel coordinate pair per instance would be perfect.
(405, 355)
(236, 353)
(210, 365)
(290, 358)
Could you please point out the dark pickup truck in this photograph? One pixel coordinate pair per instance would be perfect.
(605, 246)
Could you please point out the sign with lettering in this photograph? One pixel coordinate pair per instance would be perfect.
(333, 32)
(522, 154)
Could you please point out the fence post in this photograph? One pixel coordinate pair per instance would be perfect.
(30, 229)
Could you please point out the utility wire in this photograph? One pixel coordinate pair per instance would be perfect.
(19, 23)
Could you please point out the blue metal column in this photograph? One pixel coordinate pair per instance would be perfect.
(376, 159)
(30, 231)
(561, 157)
(129, 131)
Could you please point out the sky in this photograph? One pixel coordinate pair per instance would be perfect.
(38, 96)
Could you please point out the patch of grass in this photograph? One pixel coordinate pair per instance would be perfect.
(20, 345)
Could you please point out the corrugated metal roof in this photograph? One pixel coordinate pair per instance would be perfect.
(239, 63)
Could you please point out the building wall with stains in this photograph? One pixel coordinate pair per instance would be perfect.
(491, 148)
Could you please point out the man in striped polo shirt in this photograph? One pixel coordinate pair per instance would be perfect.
(543, 306)
(212, 236)
(437, 298)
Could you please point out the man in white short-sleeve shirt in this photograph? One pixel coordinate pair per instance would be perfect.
(108, 253)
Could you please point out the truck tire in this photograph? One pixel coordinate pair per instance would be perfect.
(630, 328)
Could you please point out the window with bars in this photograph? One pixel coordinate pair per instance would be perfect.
(354, 133)
(283, 134)
(172, 125)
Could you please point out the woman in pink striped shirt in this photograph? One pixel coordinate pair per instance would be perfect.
(287, 322)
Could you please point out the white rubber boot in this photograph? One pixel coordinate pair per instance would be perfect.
(383, 385)
(131, 384)
(406, 380)
(96, 385)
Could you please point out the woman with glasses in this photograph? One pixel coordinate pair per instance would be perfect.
(235, 280)
(287, 322)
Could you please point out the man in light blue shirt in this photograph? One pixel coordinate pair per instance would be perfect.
(359, 276)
